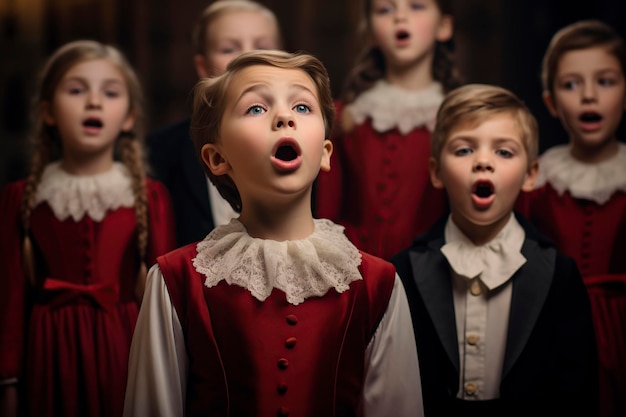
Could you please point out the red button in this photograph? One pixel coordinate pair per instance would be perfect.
(281, 388)
(292, 319)
(290, 342)
(283, 363)
(283, 411)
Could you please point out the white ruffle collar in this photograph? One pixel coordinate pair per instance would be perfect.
(300, 268)
(596, 182)
(391, 107)
(80, 195)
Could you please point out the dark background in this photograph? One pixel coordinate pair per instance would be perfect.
(497, 41)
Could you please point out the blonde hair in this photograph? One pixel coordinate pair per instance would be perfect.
(210, 101)
(475, 103)
(46, 142)
(580, 35)
(220, 8)
(370, 63)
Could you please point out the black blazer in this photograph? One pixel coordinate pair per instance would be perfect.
(550, 364)
(173, 161)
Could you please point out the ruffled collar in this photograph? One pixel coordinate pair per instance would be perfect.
(493, 263)
(79, 195)
(391, 107)
(300, 268)
(595, 182)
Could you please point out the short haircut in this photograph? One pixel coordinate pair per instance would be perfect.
(580, 35)
(210, 101)
(475, 103)
(220, 8)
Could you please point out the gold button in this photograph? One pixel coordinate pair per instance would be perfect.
(472, 339)
(475, 287)
(470, 388)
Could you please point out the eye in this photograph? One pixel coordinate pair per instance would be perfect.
(112, 94)
(569, 84)
(75, 90)
(382, 9)
(606, 81)
(462, 151)
(505, 153)
(255, 110)
(302, 108)
(417, 6)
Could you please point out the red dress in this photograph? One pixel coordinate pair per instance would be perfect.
(379, 187)
(67, 341)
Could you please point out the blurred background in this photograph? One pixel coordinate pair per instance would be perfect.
(497, 41)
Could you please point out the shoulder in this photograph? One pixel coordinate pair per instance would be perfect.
(178, 261)
(155, 187)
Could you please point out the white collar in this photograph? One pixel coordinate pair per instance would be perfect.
(596, 181)
(300, 268)
(391, 107)
(494, 263)
(77, 195)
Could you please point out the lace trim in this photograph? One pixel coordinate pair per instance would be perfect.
(300, 268)
(391, 107)
(595, 182)
(77, 195)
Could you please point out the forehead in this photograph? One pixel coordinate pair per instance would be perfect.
(94, 69)
(242, 23)
(268, 78)
(501, 124)
(589, 59)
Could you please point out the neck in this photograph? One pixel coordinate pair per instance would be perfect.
(596, 154)
(280, 222)
(416, 76)
(480, 234)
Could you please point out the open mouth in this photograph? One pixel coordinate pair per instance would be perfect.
(483, 189)
(402, 35)
(93, 122)
(286, 155)
(590, 117)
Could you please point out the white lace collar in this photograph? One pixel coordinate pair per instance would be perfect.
(392, 107)
(300, 268)
(77, 195)
(595, 182)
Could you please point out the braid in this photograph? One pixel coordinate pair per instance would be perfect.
(40, 158)
(132, 157)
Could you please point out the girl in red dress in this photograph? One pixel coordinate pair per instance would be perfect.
(580, 196)
(379, 187)
(77, 235)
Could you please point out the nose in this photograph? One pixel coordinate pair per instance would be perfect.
(589, 93)
(284, 119)
(94, 100)
(482, 163)
(400, 14)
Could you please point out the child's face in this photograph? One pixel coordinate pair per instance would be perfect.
(407, 30)
(272, 135)
(483, 166)
(234, 33)
(90, 107)
(589, 96)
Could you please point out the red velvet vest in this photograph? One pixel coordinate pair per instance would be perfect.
(271, 358)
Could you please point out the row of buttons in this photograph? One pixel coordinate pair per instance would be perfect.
(283, 364)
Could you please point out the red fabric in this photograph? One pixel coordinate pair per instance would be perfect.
(608, 306)
(71, 357)
(252, 358)
(379, 188)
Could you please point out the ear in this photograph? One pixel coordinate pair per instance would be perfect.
(129, 122)
(200, 63)
(214, 160)
(327, 151)
(531, 177)
(549, 102)
(433, 167)
(446, 28)
(45, 112)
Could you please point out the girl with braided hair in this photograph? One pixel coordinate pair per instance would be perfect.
(379, 187)
(77, 235)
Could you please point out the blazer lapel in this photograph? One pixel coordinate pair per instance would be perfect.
(531, 285)
(437, 294)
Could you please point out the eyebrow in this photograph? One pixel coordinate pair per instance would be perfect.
(262, 87)
(85, 81)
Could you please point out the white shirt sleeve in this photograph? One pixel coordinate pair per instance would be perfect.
(157, 371)
(392, 379)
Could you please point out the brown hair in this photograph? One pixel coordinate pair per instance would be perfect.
(370, 63)
(47, 144)
(210, 101)
(219, 8)
(580, 35)
(475, 103)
